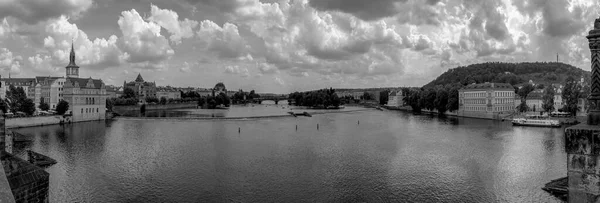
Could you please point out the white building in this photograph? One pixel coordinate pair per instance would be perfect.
(395, 98)
(486, 100)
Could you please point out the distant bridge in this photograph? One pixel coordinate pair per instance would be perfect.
(270, 97)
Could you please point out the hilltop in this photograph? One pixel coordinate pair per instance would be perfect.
(513, 73)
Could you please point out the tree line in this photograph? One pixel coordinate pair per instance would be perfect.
(323, 98)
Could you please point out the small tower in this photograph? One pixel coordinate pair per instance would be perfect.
(72, 69)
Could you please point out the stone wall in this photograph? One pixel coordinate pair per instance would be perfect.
(33, 121)
(582, 144)
(28, 182)
(122, 109)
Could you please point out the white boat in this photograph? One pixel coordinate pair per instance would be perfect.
(533, 120)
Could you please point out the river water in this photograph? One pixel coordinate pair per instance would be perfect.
(362, 156)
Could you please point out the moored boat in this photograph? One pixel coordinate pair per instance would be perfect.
(540, 121)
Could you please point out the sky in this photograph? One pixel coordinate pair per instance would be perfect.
(282, 46)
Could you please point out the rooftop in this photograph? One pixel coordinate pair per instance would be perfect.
(487, 85)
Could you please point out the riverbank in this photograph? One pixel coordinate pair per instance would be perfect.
(242, 117)
(120, 110)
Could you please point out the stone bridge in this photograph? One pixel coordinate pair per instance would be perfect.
(270, 97)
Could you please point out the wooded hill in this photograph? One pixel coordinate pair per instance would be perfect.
(512, 73)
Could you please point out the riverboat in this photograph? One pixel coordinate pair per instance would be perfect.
(532, 120)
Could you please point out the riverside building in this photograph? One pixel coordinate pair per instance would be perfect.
(486, 100)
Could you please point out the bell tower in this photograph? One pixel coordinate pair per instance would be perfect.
(72, 69)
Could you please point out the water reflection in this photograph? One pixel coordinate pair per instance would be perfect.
(387, 157)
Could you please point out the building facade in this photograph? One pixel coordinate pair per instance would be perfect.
(86, 96)
(51, 90)
(396, 98)
(142, 88)
(535, 101)
(486, 100)
(168, 93)
(218, 89)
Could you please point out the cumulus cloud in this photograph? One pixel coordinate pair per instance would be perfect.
(266, 68)
(34, 11)
(169, 20)
(99, 52)
(9, 62)
(225, 41)
(236, 70)
(557, 19)
(366, 10)
(142, 40)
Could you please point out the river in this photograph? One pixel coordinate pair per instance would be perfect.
(360, 156)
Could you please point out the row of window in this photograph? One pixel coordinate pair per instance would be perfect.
(474, 101)
(90, 110)
(503, 108)
(475, 108)
(504, 94)
(504, 101)
(475, 94)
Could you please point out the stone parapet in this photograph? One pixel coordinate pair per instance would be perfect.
(582, 144)
(28, 182)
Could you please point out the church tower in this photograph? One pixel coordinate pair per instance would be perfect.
(72, 68)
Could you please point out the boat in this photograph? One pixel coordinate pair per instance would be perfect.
(534, 120)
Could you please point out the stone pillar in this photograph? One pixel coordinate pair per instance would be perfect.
(582, 142)
(2, 132)
(594, 98)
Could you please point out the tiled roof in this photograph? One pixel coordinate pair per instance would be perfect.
(488, 86)
(82, 82)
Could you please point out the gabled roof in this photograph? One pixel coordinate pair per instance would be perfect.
(139, 78)
(9, 81)
(82, 82)
(393, 93)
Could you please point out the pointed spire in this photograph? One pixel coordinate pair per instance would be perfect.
(72, 54)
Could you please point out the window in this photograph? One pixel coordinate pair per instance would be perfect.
(81, 110)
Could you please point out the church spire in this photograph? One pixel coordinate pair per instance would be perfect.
(72, 55)
(72, 69)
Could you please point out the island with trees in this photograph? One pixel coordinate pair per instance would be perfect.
(320, 99)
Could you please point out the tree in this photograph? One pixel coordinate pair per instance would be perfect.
(163, 100)
(548, 99)
(570, 95)
(453, 98)
(62, 107)
(128, 93)
(523, 106)
(441, 100)
(43, 105)
(367, 96)
(384, 96)
(15, 96)
(109, 104)
(28, 107)
(525, 90)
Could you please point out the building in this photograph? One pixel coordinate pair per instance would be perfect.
(29, 85)
(486, 100)
(535, 100)
(112, 91)
(86, 96)
(204, 92)
(396, 98)
(142, 88)
(168, 93)
(218, 89)
(51, 90)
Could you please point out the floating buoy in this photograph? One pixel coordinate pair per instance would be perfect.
(239, 130)
(317, 126)
(358, 122)
(296, 127)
